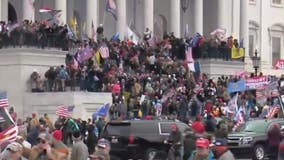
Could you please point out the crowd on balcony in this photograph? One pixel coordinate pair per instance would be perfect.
(43, 34)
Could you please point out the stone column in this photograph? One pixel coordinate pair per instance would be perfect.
(223, 14)
(28, 10)
(91, 15)
(175, 17)
(244, 21)
(198, 16)
(149, 15)
(244, 30)
(4, 10)
(70, 10)
(62, 5)
(121, 18)
(236, 18)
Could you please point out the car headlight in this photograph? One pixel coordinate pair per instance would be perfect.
(247, 140)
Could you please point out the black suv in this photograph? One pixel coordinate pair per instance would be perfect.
(251, 141)
(139, 139)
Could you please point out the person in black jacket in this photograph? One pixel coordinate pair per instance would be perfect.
(50, 75)
(91, 139)
(175, 139)
(210, 124)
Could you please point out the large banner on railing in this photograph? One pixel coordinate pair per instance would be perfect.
(279, 64)
(257, 82)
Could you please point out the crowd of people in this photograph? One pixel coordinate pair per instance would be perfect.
(66, 138)
(149, 80)
(40, 34)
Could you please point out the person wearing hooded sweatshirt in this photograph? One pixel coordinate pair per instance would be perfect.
(79, 149)
(221, 151)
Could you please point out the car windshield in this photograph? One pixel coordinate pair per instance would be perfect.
(255, 126)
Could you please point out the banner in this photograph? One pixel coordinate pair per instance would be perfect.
(237, 86)
(279, 64)
(257, 82)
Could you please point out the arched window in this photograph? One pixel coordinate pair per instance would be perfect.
(253, 37)
(276, 33)
(160, 26)
(12, 14)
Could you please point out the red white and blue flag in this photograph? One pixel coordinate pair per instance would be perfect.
(65, 111)
(3, 99)
(10, 132)
(111, 8)
(104, 51)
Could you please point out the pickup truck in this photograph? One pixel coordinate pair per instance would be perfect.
(251, 140)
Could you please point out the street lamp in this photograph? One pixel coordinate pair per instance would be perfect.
(184, 5)
(255, 62)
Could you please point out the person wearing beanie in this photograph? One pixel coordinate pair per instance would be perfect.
(12, 152)
(79, 149)
(57, 143)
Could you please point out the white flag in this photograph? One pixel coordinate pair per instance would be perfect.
(131, 35)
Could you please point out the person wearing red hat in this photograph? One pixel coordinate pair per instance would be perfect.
(190, 137)
(57, 143)
(198, 127)
(202, 151)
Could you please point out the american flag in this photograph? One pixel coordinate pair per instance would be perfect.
(64, 111)
(274, 110)
(111, 8)
(104, 51)
(188, 54)
(3, 99)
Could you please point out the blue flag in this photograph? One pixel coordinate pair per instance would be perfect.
(237, 86)
(102, 111)
(115, 38)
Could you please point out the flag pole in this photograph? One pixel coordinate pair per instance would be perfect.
(104, 16)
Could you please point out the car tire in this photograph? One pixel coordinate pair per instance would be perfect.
(150, 154)
(258, 152)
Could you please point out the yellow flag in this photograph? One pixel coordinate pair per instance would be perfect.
(98, 58)
(237, 53)
(73, 24)
(140, 114)
(126, 96)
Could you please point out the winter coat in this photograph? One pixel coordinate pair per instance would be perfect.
(222, 153)
(274, 137)
(227, 155)
(210, 156)
(281, 151)
(60, 147)
(79, 150)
